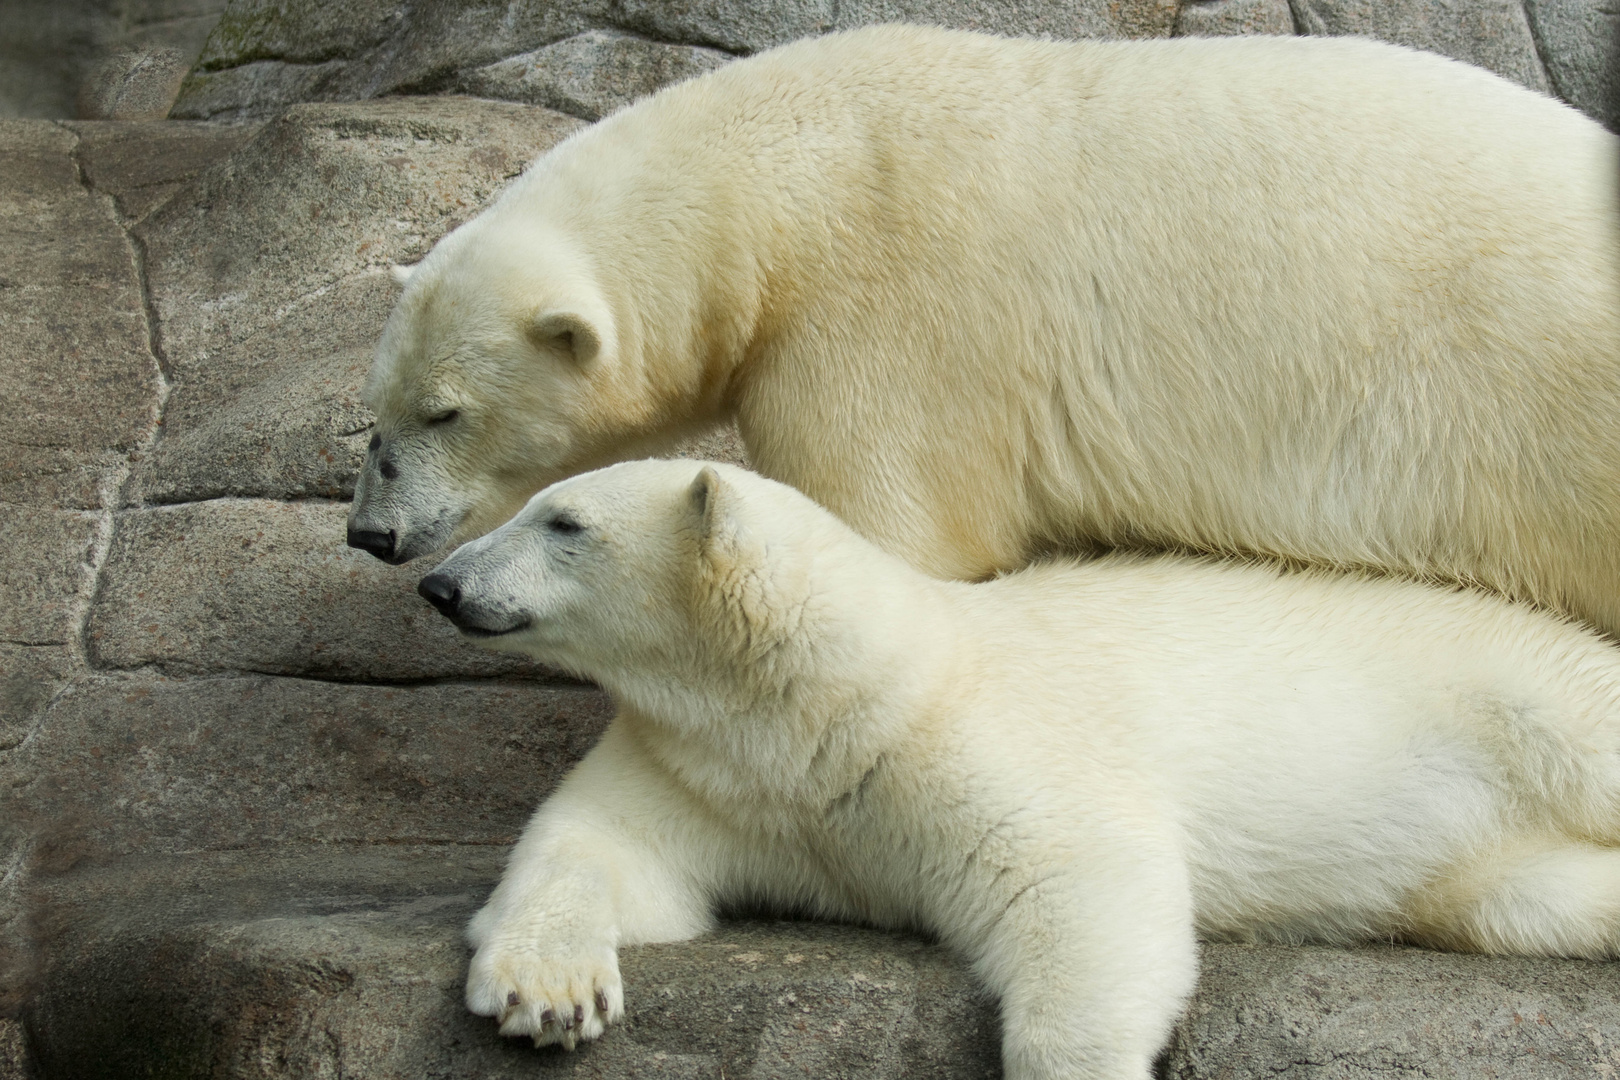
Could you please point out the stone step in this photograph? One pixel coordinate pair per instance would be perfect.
(347, 961)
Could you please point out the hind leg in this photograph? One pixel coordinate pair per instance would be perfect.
(1551, 898)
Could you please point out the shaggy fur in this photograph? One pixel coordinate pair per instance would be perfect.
(1324, 299)
(1066, 773)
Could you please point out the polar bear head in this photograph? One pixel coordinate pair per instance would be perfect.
(645, 572)
(497, 373)
(687, 589)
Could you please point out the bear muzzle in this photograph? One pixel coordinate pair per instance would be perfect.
(380, 544)
(444, 592)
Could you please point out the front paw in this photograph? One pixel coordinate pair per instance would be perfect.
(557, 994)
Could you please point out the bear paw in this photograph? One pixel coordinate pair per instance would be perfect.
(553, 996)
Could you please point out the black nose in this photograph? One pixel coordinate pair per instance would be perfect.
(379, 544)
(442, 592)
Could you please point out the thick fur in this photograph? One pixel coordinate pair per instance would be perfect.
(1067, 773)
(1324, 299)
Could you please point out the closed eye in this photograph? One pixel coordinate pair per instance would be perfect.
(564, 525)
(444, 417)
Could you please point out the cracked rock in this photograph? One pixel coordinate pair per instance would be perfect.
(591, 74)
(75, 366)
(1221, 18)
(1494, 34)
(142, 764)
(1580, 41)
(256, 585)
(269, 276)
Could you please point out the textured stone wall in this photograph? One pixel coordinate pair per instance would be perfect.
(214, 717)
(585, 57)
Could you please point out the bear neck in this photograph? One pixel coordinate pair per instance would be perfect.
(805, 724)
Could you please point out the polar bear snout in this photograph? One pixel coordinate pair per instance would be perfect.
(442, 592)
(380, 544)
(446, 592)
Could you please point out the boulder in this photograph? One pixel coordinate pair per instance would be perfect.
(591, 74)
(267, 54)
(332, 962)
(1221, 18)
(124, 765)
(76, 366)
(1580, 42)
(260, 585)
(142, 164)
(1494, 34)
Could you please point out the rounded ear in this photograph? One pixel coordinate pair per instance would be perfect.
(704, 494)
(569, 331)
(749, 601)
(401, 274)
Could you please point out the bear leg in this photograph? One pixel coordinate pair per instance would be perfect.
(1552, 898)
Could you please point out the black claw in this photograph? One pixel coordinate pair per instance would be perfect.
(547, 1016)
(601, 1003)
(579, 1015)
(511, 999)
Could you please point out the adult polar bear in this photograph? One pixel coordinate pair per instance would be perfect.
(1062, 772)
(1324, 299)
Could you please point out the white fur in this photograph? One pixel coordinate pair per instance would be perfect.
(1066, 773)
(1325, 299)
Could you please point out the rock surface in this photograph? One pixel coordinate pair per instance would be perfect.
(143, 764)
(267, 54)
(334, 962)
(1580, 42)
(1221, 18)
(591, 74)
(250, 786)
(98, 59)
(1494, 34)
(79, 371)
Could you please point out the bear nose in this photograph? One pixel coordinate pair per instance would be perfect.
(442, 592)
(380, 544)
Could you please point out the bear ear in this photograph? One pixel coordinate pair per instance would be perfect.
(566, 330)
(705, 497)
(401, 273)
(750, 603)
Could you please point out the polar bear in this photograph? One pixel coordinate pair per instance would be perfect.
(1066, 773)
(1324, 299)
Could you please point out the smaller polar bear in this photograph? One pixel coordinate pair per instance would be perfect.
(1066, 773)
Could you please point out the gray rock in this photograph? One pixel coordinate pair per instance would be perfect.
(142, 164)
(1580, 44)
(14, 1059)
(30, 677)
(149, 765)
(44, 559)
(257, 89)
(59, 56)
(267, 54)
(277, 413)
(1494, 34)
(269, 278)
(255, 585)
(134, 84)
(1385, 1011)
(75, 367)
(1221, 18)
(358, 974)
(1028, 18)
(591, 74)
(332, 962)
